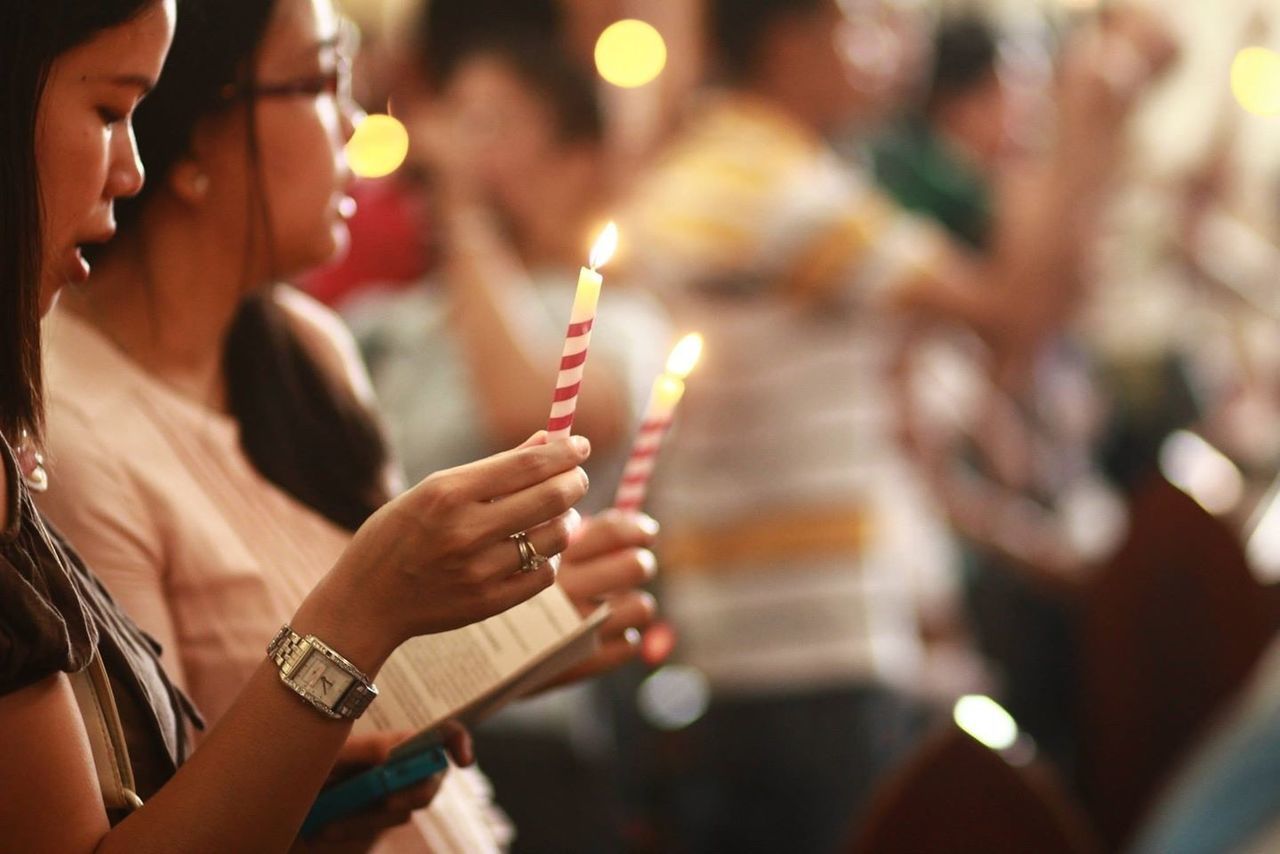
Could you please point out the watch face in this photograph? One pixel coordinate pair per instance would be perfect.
(322, 679)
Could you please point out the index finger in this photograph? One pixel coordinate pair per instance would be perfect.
(612, 531)
(367, 749)
(520, 468)
(457, 740)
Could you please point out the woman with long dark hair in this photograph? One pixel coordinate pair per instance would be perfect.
(435, 558)
(211, 445)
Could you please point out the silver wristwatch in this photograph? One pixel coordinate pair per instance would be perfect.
(322, 677)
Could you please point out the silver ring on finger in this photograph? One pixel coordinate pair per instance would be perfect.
(530, 560)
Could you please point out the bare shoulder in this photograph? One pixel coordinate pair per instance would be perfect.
(326, 337)
(311, 318)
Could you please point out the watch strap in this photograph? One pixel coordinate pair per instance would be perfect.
(288, 650)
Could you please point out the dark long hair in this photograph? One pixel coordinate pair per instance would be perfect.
(299, 425)
(447, 31)
(33, 33)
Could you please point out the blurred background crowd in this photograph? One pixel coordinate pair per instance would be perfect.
(969, 523)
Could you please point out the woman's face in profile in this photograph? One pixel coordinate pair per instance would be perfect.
(85, 152)
(301, 140)
(303, 117)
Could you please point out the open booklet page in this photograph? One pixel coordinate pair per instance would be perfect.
(469, 673)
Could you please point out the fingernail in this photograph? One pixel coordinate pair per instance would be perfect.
(632, 636)
(648, 524)
(649, 562)
(573, 521)
(581, 445)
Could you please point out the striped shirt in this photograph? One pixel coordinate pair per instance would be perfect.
(796, 537)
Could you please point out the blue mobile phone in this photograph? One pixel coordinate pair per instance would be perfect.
(369, 787)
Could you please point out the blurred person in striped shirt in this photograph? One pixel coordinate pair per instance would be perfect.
(802, 553)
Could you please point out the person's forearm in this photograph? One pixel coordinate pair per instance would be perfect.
(250, 785)
(1020, 291)
(1046, 222)
(1030, 283)
(1039, 246)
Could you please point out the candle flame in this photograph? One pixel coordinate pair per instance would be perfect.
(605, 246)
(685, 355)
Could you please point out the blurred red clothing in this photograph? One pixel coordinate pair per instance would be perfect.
(390, 244)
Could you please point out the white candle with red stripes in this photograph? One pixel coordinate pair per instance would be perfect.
(577, 340)
(667, 391)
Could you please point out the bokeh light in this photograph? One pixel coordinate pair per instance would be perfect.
(1255, 80)
(657, 643)
(379, 146)
(984, 719)
(1201, 471)
(630, 53)
(1263, 546)
(673, 697)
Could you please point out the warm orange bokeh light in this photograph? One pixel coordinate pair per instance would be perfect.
(630, 53)
(379, 146)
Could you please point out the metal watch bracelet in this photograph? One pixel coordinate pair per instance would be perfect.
(320, 675)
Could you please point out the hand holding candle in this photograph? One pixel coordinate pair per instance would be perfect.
(574, 358)
(667, 391)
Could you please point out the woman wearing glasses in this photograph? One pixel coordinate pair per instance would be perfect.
(211, 442)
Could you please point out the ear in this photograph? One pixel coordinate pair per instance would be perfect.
(189, 181)
(191, 177)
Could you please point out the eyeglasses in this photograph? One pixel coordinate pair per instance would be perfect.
(335, 83)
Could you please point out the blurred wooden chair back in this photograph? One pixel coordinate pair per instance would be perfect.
(955, 796)
(1170, 628)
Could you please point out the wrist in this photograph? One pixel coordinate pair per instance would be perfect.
(343, 619)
